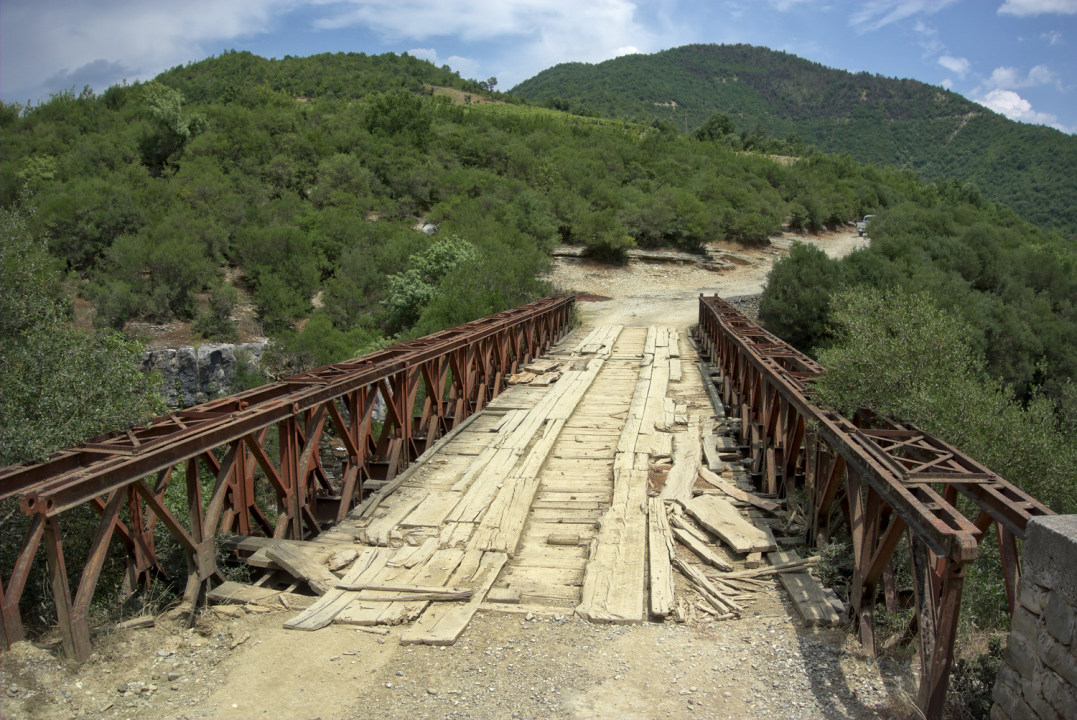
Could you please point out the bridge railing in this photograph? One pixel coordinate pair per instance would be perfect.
(260, 449)
(878, 478)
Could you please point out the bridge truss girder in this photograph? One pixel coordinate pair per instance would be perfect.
(268, 438)
(881, 479)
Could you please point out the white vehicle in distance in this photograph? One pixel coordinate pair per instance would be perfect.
(862, 225)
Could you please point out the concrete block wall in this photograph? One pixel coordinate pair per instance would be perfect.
(1038, 679)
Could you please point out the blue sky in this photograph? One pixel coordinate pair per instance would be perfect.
(1018, 57)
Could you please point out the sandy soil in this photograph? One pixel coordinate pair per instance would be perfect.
(646, 293)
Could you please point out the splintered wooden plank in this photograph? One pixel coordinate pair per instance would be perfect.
(687, 536)
(722, 520)
(807, 593)
(735, 492)
(432, 510)
(442, 624)
(379, 529)
(613, 581)
(302, 566)
(710, 454)
(435, 571)
(686, 458)
(674, 370)
(660, 549)
(367, 566)
(233, 593)
(542, 366)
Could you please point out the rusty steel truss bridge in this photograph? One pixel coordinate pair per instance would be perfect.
(878, 479)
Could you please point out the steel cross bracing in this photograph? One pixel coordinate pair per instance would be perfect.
(427, 386)
(884, 479)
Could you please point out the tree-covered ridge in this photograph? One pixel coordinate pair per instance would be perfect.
(876, 119)
(1012, 285)
(328, 75)
(162, 205)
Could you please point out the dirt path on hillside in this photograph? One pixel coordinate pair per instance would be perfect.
(648, 293)
(241, 663)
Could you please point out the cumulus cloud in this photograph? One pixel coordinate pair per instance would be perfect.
(1008, 78)
(543, 33)
(1053, 37)
(46, 47)
(1031, 8)
(1015, 107)
(465, 66)
(786, 5)
(876, 14)
(958, 66)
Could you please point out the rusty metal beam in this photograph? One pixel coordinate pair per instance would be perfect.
(896, 478)
(459, 370)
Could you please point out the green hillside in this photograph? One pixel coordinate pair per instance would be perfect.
(903, 123)
(295, 185)
(291, 190)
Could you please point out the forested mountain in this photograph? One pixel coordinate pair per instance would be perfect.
(903, 123)
(301, 180)
(296, 187)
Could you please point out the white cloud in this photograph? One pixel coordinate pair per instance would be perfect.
(786, 5)
(465, 66)
(544, 33)
(1053, 37)
(959, 66)
(948, 84)
(1027, 8)
(1008, 78)
(1015, 107)
(928, 38)
(875, 14)
(50, 46)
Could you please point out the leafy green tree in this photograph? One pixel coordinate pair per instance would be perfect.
(900, 355)
(409, 292)
(170, 127)
(716, 127)
(796, 301)
(60, 385)
(399, 113)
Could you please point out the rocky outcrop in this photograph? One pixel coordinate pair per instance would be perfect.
(193, 375)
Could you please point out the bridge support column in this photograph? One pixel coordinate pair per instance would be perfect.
(938, 583)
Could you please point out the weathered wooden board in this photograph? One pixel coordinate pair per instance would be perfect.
(660, 549)
(735, 492)
(302, 566)
(369, 565)
(722, 520)
(807, 593)
(686, 458)
(701, 549)
(442, 624)
(234, 593)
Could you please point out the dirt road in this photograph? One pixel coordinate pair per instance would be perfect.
(647, 293)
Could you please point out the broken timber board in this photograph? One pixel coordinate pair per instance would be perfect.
(302, 566)
(234, 593)
(368, 565)
(660, 549)
(807, 593)
(722, 520)
(686, 459)
(710, 454)
(700, 549)
(435, 571)
(442, 624)
(735, 492)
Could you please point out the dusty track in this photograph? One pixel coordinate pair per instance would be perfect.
(506, 664)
